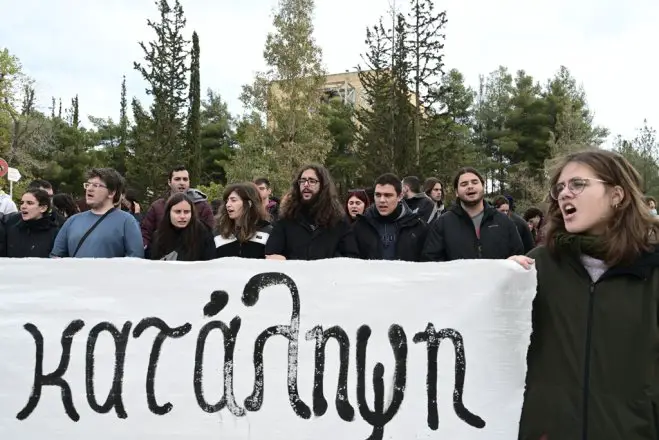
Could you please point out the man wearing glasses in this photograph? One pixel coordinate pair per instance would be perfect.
(103, 231)
(312, 223)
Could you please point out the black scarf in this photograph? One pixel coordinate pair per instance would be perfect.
(580, 244)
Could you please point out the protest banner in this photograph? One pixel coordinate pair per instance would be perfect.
(348, 349)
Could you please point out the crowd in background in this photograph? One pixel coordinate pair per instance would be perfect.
(593, 354)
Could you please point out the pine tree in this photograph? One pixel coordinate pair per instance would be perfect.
(75, 113)
(572, 126)
(449, 143)
(426, 49)
(165, 70)
(405, 159)
(376, 145)
(492, 135)
(217, 138)
(119, 153)
(145, 169)
(194, 123)
(386, 130)
(289, 96)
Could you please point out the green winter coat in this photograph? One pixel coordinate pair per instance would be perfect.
(593, 361)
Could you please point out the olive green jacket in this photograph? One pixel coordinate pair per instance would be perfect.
(593, 361)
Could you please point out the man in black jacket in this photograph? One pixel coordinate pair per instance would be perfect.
(312, 223)
(418, 202)
(389, 230)
(505, 206)
(471, 229)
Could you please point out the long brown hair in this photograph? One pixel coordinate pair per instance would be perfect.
(430, 183)
(326, 210)
(247, 224)
(632, 230)
(167, 236)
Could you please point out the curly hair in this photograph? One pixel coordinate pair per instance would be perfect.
(632, 230)
(253, 213)
(326, 210)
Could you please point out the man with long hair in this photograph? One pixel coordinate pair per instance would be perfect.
(312, 224)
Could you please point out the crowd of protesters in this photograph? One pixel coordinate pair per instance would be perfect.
(594, 351)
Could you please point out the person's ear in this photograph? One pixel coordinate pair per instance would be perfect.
(617, 196)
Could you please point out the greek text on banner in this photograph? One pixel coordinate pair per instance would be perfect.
(240, 349)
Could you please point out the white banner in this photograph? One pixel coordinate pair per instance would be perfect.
(236, 349)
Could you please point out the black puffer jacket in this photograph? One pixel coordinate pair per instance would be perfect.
(24, 239)
(524, 232)
(421, 205)
(410, 233)
(453, 237)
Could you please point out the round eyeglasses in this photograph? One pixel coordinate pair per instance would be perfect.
(575, 185)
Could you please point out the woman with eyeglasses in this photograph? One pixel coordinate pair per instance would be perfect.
(181, 235)
(594, 352)
(241, 228)
(356, 204)
(30, 232)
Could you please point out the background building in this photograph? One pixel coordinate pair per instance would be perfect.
(346, 86)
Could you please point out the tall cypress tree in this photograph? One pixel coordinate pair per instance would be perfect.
(75, 113)
(165, 70)
(194, 110)
(119, 156)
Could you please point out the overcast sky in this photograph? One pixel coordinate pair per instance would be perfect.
(85, 46)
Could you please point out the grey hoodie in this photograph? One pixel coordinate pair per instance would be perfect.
(196, 195)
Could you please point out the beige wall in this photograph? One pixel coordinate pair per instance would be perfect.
(348, 81)
(345, 84)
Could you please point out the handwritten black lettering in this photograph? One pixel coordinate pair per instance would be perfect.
(379, 417)
(250, 297)
(343, 407)
(433, 339)
(114, 399)
(165, 332)
(228, 398)
(56, 378)
(381, 414)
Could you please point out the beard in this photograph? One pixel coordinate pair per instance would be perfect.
(472, 203)
(310, 201)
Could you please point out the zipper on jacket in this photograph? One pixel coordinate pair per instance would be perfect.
(586, 385)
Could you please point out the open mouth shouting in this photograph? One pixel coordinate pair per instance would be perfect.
(569, 211)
